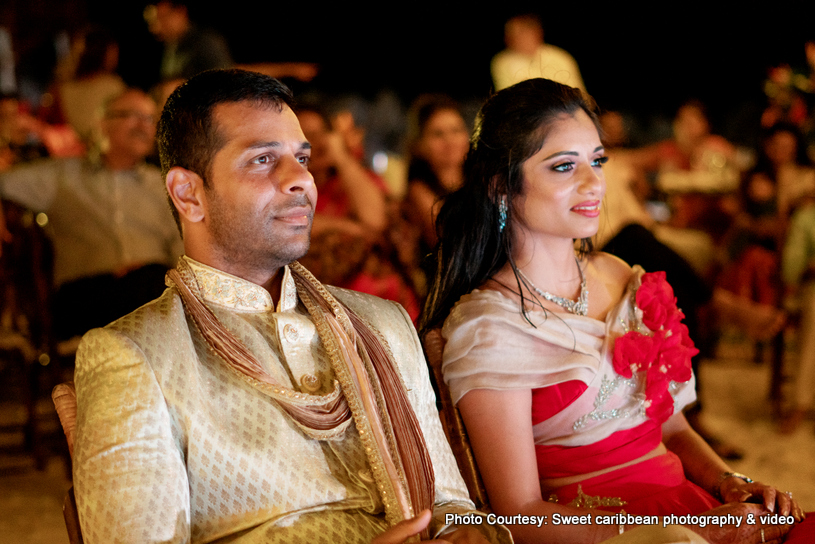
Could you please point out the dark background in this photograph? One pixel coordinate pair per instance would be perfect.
(644, 61)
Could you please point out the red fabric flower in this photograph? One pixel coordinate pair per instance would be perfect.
(656, 299)
(675, 354)
(665, 355)
(634, 352)
(660, 402)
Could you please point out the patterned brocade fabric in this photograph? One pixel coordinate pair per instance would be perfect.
(172, 446)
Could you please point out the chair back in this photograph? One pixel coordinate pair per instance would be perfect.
(64, 397)
(453, 424)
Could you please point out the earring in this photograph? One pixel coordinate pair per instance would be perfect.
(502, 214)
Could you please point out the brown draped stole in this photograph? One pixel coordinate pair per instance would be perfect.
(372, 392)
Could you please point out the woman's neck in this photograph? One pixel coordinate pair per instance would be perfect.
(551, 267)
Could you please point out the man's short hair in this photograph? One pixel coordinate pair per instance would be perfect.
(187, 135)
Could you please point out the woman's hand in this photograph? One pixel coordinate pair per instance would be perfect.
(734, 489)
(746, 533)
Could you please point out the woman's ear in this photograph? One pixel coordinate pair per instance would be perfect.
(186, 190)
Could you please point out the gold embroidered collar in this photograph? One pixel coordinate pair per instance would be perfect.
(224, 289)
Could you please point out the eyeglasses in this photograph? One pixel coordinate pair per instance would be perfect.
(131, 114)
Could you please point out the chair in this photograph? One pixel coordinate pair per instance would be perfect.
(26, 286)
(452, 423)
(64, 397)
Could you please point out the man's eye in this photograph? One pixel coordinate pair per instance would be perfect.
(304, 160)
(263, 159)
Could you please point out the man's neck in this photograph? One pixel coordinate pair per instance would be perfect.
(270, 279)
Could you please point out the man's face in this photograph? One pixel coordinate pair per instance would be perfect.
(130, 124)
(260, 195)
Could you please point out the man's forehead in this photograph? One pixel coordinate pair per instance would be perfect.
(246, 119)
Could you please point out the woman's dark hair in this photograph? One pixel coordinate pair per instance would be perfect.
(511, 127)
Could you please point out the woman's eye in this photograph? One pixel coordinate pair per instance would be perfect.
(563, 167)
(600, 161)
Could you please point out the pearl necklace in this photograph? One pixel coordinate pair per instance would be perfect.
(577, 307)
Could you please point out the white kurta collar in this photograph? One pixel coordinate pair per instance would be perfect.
(224, 289)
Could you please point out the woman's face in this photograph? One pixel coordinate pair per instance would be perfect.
(316, 133)
(563, 183)
(444, 140)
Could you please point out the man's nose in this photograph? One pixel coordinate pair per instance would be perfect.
(293, 175)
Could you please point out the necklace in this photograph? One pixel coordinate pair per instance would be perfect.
(578, 307)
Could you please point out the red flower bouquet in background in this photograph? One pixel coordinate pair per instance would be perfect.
(665, 354)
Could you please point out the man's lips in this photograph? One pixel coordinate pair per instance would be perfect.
(589, 208)
(296, 216)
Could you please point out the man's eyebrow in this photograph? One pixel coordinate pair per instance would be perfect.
(259, 145)
(262, 145)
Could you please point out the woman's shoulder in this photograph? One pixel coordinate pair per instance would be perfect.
(613, 278)
(612, 269)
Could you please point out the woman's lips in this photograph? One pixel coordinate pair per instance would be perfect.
(588, 209)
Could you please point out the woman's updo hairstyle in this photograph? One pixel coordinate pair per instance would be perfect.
(510, 128)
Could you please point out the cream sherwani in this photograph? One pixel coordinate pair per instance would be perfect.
(173, 446)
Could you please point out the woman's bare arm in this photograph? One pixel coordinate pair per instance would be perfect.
(499, 424)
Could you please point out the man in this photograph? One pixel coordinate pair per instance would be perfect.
(107, 216)
(215, 413)
(250, 403)
(527, 57)
(188, 49)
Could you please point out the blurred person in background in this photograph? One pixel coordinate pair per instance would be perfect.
(769, 194)
(349, 242)
(20, 134)
(798, 271)
(188, 48)
(528, 56)
(438, 140)
(108, 218)
(91, 80)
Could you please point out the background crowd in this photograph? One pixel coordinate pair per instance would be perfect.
(715, 186)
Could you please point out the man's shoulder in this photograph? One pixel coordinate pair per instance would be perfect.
(553, 52)
(366, 305)
(386, 316)
(154, 323)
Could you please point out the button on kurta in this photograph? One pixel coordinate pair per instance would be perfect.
(291, 333)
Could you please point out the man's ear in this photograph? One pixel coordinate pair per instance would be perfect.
(186, 189)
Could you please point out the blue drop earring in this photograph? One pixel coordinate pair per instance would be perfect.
(502, 214)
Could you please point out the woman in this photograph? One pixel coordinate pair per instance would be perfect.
(438, 140)
(547, 356)
(438, 144)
